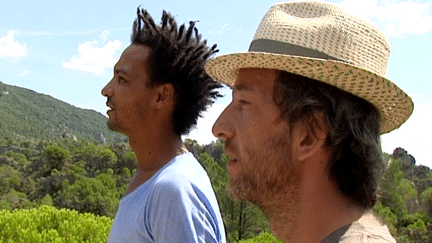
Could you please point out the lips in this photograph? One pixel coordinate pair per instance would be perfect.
(110, 106)
(233, 164)
(230, 151)
(232, 160)
(234, 168)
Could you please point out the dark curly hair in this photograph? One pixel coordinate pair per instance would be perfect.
(356, 163)
(177, 56)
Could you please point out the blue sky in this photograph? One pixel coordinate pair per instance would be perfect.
(67, 49)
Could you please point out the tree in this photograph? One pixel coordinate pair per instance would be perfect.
(418, 231)
(386, 214)
(107, 155)
(426, 198)
(392, 194)
(17, 199)
(9, 179)
(95, 195)
(55, 156)
(18, 157)
(47, 200)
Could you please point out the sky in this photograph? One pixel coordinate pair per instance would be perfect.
(67, 49)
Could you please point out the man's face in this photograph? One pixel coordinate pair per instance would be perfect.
(127, 93)
(257, 140)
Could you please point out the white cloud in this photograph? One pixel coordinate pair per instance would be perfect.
(226, 27)
(93, 57)
(413, 136)
(395, 18)
(66, 32)
(11, 48)
(24, 72)
(104, 35)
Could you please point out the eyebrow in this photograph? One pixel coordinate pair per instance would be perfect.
(243, 87)
(119, 70)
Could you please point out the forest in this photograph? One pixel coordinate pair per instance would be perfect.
(89, 178)
(63, 172)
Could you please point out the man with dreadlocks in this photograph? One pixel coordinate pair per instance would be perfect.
(158, 91)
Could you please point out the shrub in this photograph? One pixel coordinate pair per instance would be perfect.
(48, 224)
(264, 237)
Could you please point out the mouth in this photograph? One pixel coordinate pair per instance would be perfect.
(232, 159)
(110, 106)
(234, 167)
(230, 153)
(233, 164)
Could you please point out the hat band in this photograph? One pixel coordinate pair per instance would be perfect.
(277, 47)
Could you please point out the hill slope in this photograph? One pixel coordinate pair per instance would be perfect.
(29, 114)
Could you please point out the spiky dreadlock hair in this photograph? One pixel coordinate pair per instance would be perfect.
(177, 56)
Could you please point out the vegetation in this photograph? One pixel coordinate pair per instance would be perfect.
(264, 237)
(61, 184)
(48, 224)
(404, 203)
(91, 178)
(27, 114)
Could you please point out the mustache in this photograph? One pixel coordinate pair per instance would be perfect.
(110, 103)
(230, 149)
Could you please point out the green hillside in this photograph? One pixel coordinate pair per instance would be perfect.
(27, 114)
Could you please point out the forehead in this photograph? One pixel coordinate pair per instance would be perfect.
(257, 80)
(133, 56)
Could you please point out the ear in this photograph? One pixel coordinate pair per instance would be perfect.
(164, 95)
(308, 142)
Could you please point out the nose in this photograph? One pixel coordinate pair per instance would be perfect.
(223, 126)
(107, 90)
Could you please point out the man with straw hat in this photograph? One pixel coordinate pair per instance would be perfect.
(310, 101)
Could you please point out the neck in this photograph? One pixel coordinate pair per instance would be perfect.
(317, 210)
(156, 148)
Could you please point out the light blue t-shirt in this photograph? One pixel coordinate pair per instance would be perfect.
(177, 204)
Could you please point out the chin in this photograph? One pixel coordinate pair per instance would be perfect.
(239, 190)
(113, 126)
(117, 128)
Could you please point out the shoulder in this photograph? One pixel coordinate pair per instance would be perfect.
(184, 169)
(180, 177)
(183, 191)
(368, 229)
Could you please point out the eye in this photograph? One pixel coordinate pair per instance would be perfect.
(121, 80)
(243, 102)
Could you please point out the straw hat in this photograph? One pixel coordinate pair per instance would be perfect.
(324, 42)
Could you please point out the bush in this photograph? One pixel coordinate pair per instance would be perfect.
(95, 195)
(48, 224)
(57, 153)
(18, 157)
(9, 179)
(387, 216)
(56, 156)
(264, 237)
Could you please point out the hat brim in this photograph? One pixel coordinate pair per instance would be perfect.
(394, 105)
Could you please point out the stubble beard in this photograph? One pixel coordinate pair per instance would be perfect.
(122, 122)
(112, 125)
(270, 180)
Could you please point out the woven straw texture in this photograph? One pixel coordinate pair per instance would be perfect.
(360, 49)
